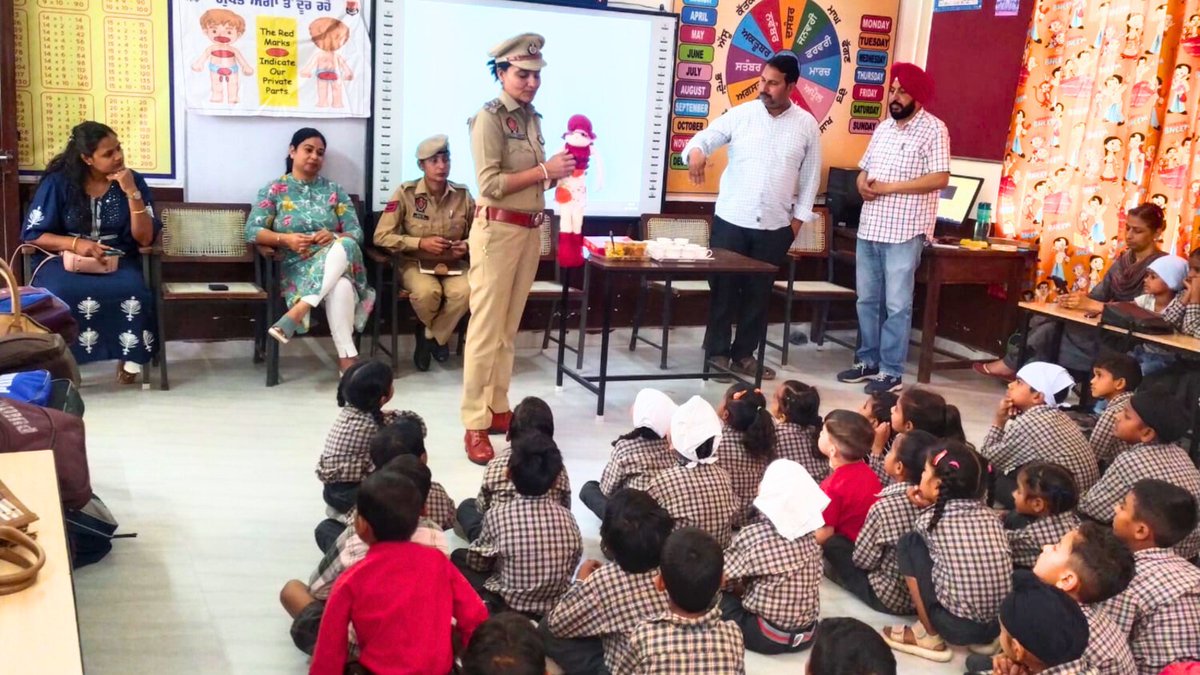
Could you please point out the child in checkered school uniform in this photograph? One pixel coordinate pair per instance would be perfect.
(1044, 510)
(1160, 610)
(773, 567)
(1152, 422)
(532, 414)
(1114, 379)
(362, 392)
(697, 492)
(637, 456)
(1029, 427)
(955, 562)
(1183, 313)
(868, 567)
(797, 425)
(1042, 630)
(846, 645)
(529, 544)
(852, 487)
(922, 409)
(505, 644)
(690, 638)
(588, 630)
(877, 408)
(747, 444)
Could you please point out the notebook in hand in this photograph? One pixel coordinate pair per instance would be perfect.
(443, 268)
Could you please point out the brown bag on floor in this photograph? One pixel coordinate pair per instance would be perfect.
(34, 351)
(24, 426)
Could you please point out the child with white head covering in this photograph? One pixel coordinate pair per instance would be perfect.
(1163, 283)
(638, 456)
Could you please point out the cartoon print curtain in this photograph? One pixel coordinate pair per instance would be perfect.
(1105, 115)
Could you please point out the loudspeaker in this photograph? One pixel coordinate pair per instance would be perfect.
(842, 197)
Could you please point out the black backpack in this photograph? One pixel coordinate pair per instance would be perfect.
(90, 531)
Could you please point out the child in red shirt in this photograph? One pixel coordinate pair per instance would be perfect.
(852, 487)
(401, 597)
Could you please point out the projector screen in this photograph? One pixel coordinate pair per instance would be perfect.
(615, 67)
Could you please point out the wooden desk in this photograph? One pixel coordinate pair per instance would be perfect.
(39, 632)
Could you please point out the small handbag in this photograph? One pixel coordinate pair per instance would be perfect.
(1129, 316)
(82, 264)
(15, 518)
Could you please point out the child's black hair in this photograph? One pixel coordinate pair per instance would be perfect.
(1103, 563)
(1168, 509)
(364, 386)
(411, 468)
(928, 411)
(852, 433)
(1121, 366)
(962, 471)
(390, 504)
(532, 414)
(1054, 483)
(846, 646)
(747, 412)
(634, 530)
(639, 433)
(705, 449)
(800, 403)
(691, 567)
(534, 464)
(882, 403)
(505, 644)
(402, 437)
(913, 452)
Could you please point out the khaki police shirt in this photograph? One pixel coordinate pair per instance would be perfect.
(506, 137)
(413, 212)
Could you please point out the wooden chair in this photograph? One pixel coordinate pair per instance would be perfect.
(813, 241)
(697, 229)
(551, 290)
(195, 233)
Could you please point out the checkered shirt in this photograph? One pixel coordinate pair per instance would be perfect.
(348, 549)
(782, 576)
(698, 497)
(1105, 444)
(891, 517)
(895, 153)
(972, 567)
(877, 466)
(1160, 610)
(610, 603)
(497, 488)
(1076, 667)
(1166, 462)
(674, 645)
(1184, 317)
(745, 472)
(1108, 647)
(1042, 434)
(439, 507)
(797, 443)
(347, 454)
(634, 463)
(1026, 543)
(531, 545)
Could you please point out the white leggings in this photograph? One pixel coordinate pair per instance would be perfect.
(339, 310)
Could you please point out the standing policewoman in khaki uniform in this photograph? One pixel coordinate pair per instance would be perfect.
(512, 172)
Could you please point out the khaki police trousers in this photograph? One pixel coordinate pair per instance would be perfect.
(438, 301)
(504, 262)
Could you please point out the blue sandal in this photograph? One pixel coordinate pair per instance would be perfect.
(284, 329)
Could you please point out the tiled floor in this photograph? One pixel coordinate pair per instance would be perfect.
(216, 477)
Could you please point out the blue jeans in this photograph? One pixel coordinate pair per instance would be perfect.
(885, 279)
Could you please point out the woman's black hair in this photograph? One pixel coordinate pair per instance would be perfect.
(963, 472)
(364, 385)
(301, 135)
(1151, 214)
(913, 452)
(800, 403)
(1052, 482)
(928, 411)
(496, 68)
(747, 411)
(639, 433)
(85, 137)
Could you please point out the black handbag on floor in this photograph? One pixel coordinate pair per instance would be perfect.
(1128, 316)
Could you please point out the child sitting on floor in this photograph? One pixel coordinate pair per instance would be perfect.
(955, 562)
(1183, 313)
(927, 410)
(1163, 282)
(401, 598)
(846, 646)
(691, 637)
(439, 507)
(852, 487)
(797, 425)
(867, 567)
(362, 392)
(1029, 427)
(747, 444)
(877, 408)
(1043, 510)
(1160, 610)
(1042, 630)
(697, 492)
(639, 455)
(505, 644)
(774, 567)
(1114, 379)
(1152, 422)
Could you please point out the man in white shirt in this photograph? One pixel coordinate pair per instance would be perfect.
(903, 171)
(767, 189)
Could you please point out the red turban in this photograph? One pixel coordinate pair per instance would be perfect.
(914, 80)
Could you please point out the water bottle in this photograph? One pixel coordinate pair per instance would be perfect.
(983, 221)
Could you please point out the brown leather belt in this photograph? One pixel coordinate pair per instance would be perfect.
(518, 218)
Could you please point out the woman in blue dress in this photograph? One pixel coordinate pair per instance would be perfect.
(89, 203)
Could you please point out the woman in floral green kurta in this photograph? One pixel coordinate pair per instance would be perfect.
(314, 221)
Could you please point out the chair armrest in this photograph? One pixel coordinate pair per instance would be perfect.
(155, 247)
(379, 255)
(269, 252)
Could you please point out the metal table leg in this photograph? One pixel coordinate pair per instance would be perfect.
(603, 379)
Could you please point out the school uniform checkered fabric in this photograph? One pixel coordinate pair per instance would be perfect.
(972, 566)
(496, 487)
(698, 497)
(890, 518)
(439, 507)
(1042, 434)
(1183, 317)
(1026, 543)
(1105, 444)
(1108, 648)
(797, 443)
(610, 603)
(347, 454)
(1160, 610)
(1077, 667)
(745, 472)
(674, 645)
(634, 463)
(903, 153)
(782, 577)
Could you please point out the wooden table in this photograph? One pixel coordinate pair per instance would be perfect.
(722, 262)
(39, 632)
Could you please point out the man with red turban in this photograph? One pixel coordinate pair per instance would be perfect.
(903, 171)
